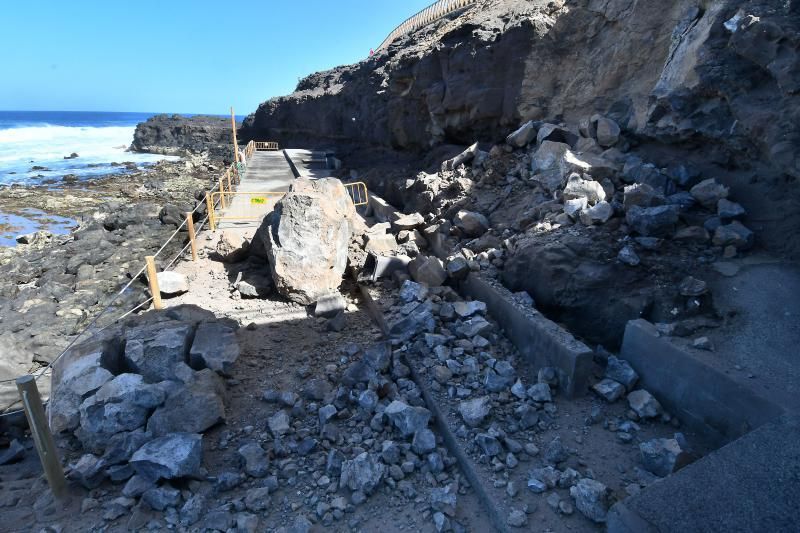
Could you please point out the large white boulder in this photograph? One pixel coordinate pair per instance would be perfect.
(307, 238)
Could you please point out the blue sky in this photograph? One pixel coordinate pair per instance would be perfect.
(179, 56)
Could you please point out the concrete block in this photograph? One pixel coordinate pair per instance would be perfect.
(382, 210)
(704, 399)
(537, 338)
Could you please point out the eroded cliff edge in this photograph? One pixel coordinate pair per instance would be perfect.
(711, 84)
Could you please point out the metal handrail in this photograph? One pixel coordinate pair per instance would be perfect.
(432, 13)
(261, 146)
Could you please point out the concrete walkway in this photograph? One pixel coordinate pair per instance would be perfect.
(266, 172)
(309, 164)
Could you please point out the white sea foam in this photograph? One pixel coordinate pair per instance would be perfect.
(47, 145)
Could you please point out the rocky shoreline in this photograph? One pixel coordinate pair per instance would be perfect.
(54, 285)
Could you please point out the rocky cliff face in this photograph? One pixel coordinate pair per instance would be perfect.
(179, 135)
(713, 83)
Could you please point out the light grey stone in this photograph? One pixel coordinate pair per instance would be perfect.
(173, 456)
(592, 499)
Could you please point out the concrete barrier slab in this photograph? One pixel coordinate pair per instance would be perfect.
(540, 340)
(703, 398)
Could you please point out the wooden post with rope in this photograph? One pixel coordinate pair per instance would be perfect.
(45, 445)
(152, 279)
(192, 236)
(210, 209)
(235, 141)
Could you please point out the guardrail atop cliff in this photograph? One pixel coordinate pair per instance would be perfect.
(430, 14)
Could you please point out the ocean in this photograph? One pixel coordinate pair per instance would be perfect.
(34, 145)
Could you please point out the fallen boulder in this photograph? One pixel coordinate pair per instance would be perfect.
(307, 239)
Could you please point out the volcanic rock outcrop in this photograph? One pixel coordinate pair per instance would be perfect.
(714, 85)
(179, 135)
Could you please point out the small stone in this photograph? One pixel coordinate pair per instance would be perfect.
(159, 498)
(628, 256)
(547, 477)
(643, 404)
(279, 423)
(653, 221)
(488, 445)
(608, 132)
(172, 456)
(442, 374)
(727, 210)
(424, 442)
(703, 343)
(734, 234)
(326, 413)
(413, 292)
(517, 518)
(540, 393)
(609, 390)
(472, 224)
(408, 420)
(363, 474)
(555, 452)
(257, 500)
(254, 459)
(708, 193)
(444, 500)
(330, 305)
(172, 283)
(599, 214)
(621, 371)
(592, 498)
(662, 457)
(693, 287)
(474, 411)
(519, 391)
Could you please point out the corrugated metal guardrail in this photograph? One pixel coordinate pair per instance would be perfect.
(430, 14)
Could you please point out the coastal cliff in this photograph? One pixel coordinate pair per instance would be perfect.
(713, 84)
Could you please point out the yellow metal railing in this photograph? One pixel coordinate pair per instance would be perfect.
(241, 206)
(245, 206)
(432, 13)
(249, 149)
(358, 193)
(261, 146)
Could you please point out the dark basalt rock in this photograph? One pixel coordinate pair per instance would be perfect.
(179, 135)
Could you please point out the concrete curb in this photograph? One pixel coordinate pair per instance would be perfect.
(292, 166)
(539, 339)
(703, 398)
(464, 463)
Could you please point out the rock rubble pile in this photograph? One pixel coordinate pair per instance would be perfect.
(137, 399)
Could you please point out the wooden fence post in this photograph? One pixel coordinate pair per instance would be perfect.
(192, 242)
(152, 279)
(210, 210)
(45, 445)
(235, 141)
(221, 194)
